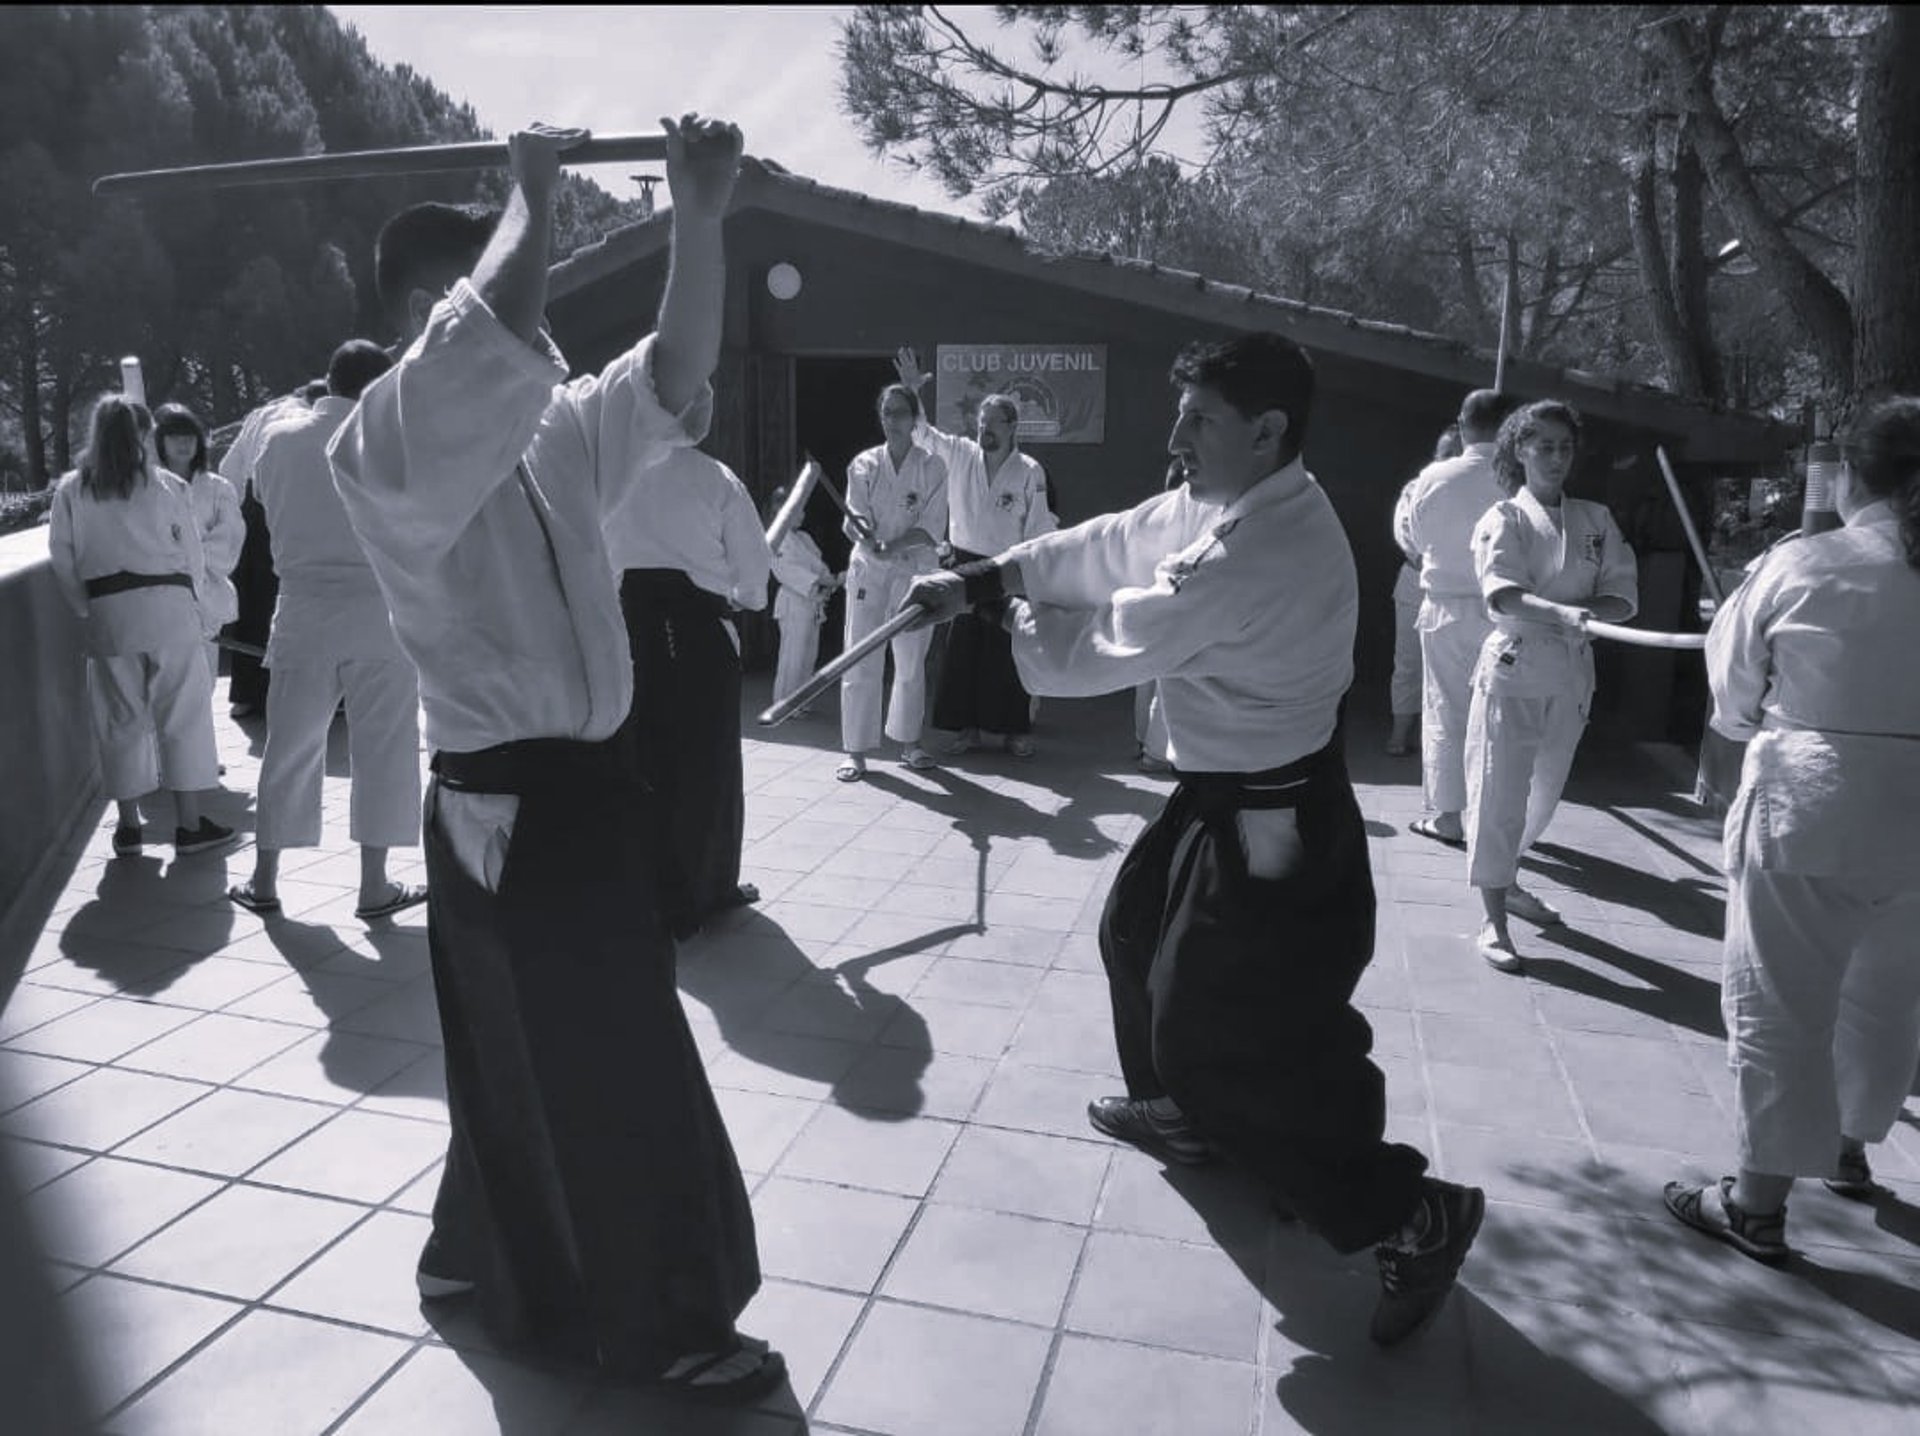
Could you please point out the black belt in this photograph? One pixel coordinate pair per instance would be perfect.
(673, 591)
(1280, 787)
(123, 581)
(540, 764)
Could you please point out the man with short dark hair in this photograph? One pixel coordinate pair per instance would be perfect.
(330, 642)
(1243, 916)
(591, 1199)
(1435, 520)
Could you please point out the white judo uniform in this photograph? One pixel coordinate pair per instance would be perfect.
(799, 606)
(331, 640)
(132, 570)
(1439, 511)
(897, 500)
(1403, 687)
(1533, 684)
(1812, 661)
(216, 508)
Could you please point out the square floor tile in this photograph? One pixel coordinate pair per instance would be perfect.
(241, 1243)
(783, 1064)
(806, 1325)
(358, 1155)
(101, 1109)
(96, 1211)
(987, 1263)
(914, 1082)
(467, 1392)
(1215, 1204)
(129, 1332)
(830, 1236)
(964, 1028)
(1163, 1293)
(1039, 1099)
(1027, 1173)
(1100, 1388)
(26, 1075)
(867, 1150)
(365, 1278)
(762, 1125)
(988, 984)
(27, 1165)
(228, 1132)
(32, 1005)
(910, 1370)
(214, 1048)
(103, 1030)
(270, 1371)
(333, 1066)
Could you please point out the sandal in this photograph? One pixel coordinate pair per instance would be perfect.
(916, 758)
(1760, 1235)
(242, 896)
(1853, 1178)
(1425, 828)
(850, 771)
(403, 896)
(683, 1379)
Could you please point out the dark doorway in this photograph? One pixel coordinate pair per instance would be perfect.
(835, 403)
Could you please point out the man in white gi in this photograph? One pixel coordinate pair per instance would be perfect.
(331, 641)
(1447, 499)
(1243, 916)
(996, 496)
(799, 604)
(688, 545)
(591, 1200)
(897, 494)
(1812, 662)
(1404, 683)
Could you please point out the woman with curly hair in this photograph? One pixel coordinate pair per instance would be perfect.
(181, 440)
(1811, 661)
(1546, 564)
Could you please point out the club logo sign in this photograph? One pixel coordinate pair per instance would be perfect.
(1061, 388)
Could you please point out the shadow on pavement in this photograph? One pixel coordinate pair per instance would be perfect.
(182, 915)
(1691, 904)
(1668, 993)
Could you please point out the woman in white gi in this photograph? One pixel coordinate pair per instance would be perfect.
(800, 604)
(125, 550)
(1811, 661)
(1546, 564)
(898, 497)
(181, 440)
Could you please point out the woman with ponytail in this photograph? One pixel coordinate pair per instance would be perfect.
(1812, 661)
(181, 440)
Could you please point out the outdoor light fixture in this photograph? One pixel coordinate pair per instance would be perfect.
(783, 281)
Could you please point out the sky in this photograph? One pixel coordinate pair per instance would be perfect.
(772, 69)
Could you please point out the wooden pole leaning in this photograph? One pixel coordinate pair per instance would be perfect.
(1707, 575)
(796, 505)
(831, 674)
(368, 164)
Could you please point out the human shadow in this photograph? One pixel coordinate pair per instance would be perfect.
(1660, 990)
(776, 1008)
(982, 814)
(148, 921)
(1689, 904)
(1472, 1361)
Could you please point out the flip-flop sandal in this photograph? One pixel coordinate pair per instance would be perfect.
(242, 896)
(1760, 1235)
(1424, 828)
(918, 759)
(404, 896)
(743, 895)
(682, 1380)
(850, 772)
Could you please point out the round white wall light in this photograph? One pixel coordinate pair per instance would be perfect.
(783, 281)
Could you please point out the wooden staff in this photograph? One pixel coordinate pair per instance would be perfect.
(368, 164)
(1644, 637)
(859, 521)
(830, 675)
(1707, 575)
(795, 505)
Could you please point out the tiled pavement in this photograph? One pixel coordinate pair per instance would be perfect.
(229, 1131)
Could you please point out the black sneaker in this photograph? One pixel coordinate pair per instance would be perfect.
(197, 840)
(1414, 1281)
(127, 838)
(1133, 1121)
(438, 1275)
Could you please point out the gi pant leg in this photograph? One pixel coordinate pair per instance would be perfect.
(122, 725)
(300, 707)
(181, 695)
(799, 654)
(590, 1190)
(1405, 686)
(874, 594)
(256, 589)
(1519, 751)
(1449, 649)
(979, 683)
(1232, 994)
(1821, 998)
(383, 747)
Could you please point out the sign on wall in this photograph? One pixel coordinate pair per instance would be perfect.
(1061, 388)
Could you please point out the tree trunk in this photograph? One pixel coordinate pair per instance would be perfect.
(1815, 300)
(60, 421)
(1886, 331)
(30, 429)
(1656, 274)
(1689, 261)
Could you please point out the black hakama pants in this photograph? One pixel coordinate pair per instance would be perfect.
(979, 685)
(1232, 994)
(256, 588)
(591, 1191)
(686, 728)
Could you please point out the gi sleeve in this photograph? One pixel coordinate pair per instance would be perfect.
(433, 437)
(63, 547)
(1619, 575)
(794, 567)
(1500, 551)
(749, 560)
(859, 491)
(620, 425)
(1740, 655)
(950, 449)
(1161, 629)
(227, 532)
(1403, 521)
(1040, 518)
(1084, 566)
(933, 513)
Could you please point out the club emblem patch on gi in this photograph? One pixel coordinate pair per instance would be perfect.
(1005, 501)
(176, 533)
(1590, 546)
(1182, 569)
(912, 499)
